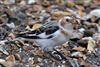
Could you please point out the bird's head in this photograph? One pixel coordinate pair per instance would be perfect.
(67, 23)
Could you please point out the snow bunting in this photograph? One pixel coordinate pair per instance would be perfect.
(49, 37)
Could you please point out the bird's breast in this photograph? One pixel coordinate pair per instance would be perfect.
(58, 39)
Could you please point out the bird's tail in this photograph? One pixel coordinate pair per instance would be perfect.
(28, 35)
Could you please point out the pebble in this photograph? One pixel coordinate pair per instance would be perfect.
(11, 25)
(88, 33)
(81, 30)
(31, 1)
(32, 14)
(83, 43)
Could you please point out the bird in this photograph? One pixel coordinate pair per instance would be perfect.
(47, 37)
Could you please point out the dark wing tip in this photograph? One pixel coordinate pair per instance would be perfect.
(28, 36)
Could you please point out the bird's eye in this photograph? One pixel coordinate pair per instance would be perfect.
(67, 20)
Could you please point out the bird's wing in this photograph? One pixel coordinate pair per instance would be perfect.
(40, 33)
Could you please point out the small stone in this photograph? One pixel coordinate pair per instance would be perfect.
(30, 60)
(77, 54)
(12, 36)
(31, 1)
(10, 58)
(81, 30)
(88, 33)
(74, 62)
(37, 65)
(83, 43)
(57, 14)
(98, 42)
(9, 1)
(37, 7)
(79, 49)
(2, 60)
(39, 59)
(17, 57)
(11, 25)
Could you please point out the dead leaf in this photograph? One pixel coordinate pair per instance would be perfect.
(90, 46)
(57, 14)
(65, 45)
(36, 26)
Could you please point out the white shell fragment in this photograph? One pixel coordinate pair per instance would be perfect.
(31, 1)
(95, 12)
(91, 45)
(11, 25)
(81, 30)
